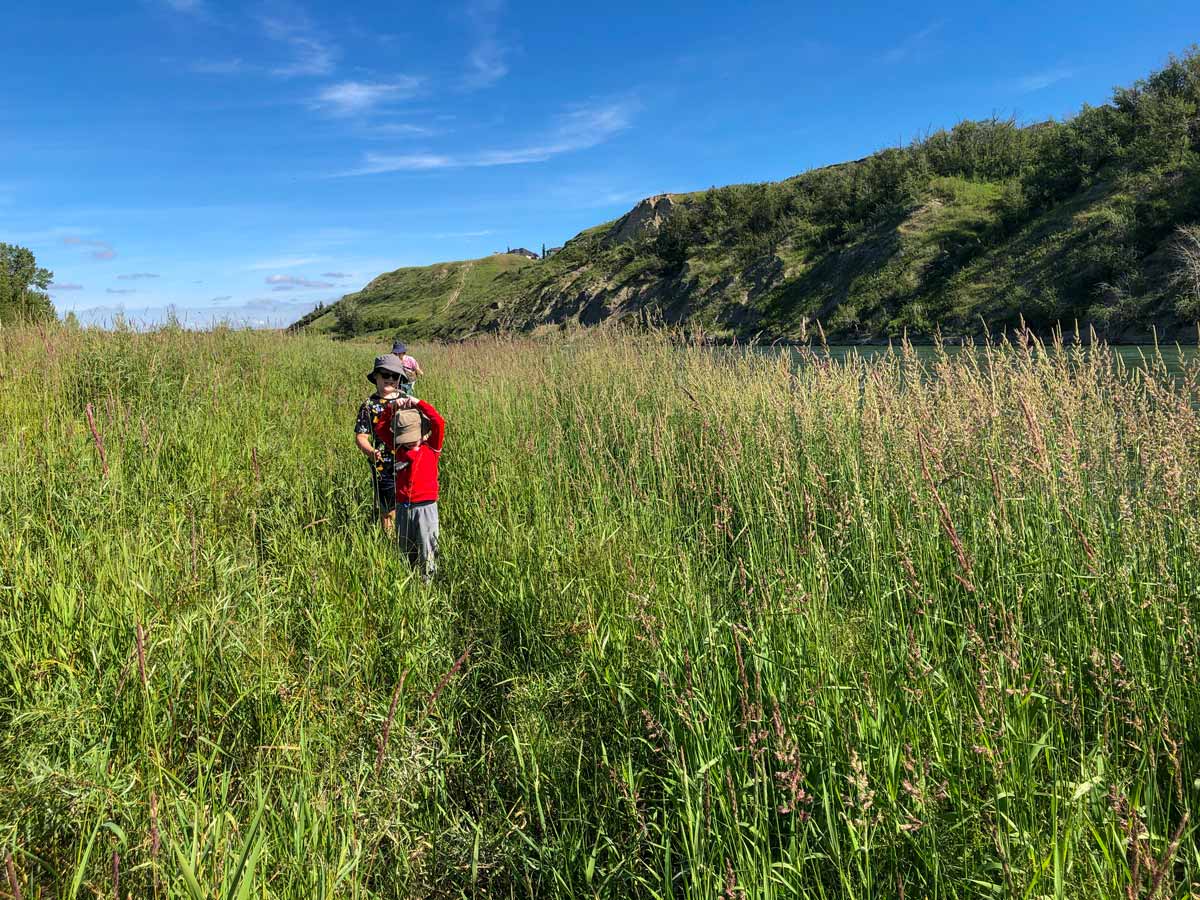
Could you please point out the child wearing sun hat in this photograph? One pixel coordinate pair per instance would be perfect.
(387, 375)
(413, 431)
(412, 368)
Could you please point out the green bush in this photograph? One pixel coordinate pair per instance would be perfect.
(349, 317)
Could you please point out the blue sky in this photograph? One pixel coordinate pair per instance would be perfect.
(247, 160)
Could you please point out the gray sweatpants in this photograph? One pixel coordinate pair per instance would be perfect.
(417, 533)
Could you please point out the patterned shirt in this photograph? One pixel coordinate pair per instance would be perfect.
(368, 415)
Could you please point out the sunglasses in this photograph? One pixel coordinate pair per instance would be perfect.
(387, 376)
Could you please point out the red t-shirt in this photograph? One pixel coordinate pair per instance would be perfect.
(416, 469)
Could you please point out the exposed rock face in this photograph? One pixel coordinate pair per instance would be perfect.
(644, 218)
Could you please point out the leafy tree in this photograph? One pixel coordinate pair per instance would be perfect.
(1186, 276)
(1162, 110)
(349, 318)
(993, 150)
(23, 286)
(674, 239)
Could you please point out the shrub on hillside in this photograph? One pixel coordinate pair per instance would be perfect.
(990, 150)
(1185, 253)
(349, 318)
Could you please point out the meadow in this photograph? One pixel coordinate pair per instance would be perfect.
(706, 625)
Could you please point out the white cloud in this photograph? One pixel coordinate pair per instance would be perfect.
(120, 290)
(913, 46)
(392, 129)
(337, 275)
(100, 250)
(592, 191)
(487, 62)
(191, 7)
(1036, 81)
(260, 312)
(220, 67)
(310, 54)
(137, 276)
(351, 97)
(291, 282)
(55, 286)
(578, 129)
(284, 263)
(375, 163)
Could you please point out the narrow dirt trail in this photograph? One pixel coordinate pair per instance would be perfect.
(457, 292)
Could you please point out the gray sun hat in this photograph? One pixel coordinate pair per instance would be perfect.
(389, 362)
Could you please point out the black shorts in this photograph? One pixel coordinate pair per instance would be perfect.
(385, 495)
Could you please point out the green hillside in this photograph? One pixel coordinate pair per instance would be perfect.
(421, 299)
(1091, 220)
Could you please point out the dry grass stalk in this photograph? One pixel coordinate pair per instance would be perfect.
(99, 441)
(141, 654)
(947, 523)
(1036, 438)
(1162, 865)
(13, 884)
(154, 836)
(445, 679)
(387, 725)
(155, 840)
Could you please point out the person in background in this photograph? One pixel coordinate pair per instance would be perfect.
(412, 368)
(414, 431)
(388, 377)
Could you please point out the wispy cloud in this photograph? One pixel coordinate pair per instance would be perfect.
(190, 7)
(120, 290)
(291, 282)
(913, 46)
(101, 250)
(137, 276)
(55, 286)
(284, 263)
(593, 191)
(1036, 81)
(377, 163)
(354, 97)
(311, 54)
(487, 62)
(579, 128)
(383, 130)
(221, 67)
(270, 311)
(336, 275)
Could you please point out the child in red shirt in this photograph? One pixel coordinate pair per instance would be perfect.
(414, 431)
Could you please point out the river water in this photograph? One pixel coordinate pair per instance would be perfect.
(1133, 356)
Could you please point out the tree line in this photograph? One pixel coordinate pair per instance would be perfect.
(24, 287)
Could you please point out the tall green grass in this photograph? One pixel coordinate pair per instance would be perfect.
(705, 626)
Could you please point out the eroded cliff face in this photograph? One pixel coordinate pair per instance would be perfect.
(644, 219)
(589, 295)
(939, 254)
